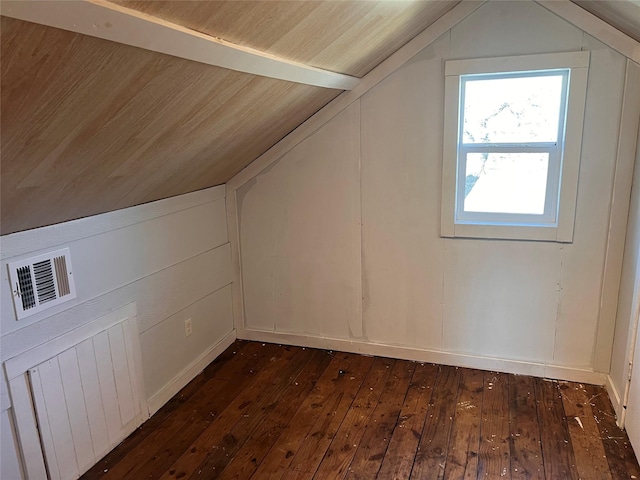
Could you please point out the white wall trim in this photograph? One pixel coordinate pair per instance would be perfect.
(432, 356)
(373, 78)
(618, 218)
(21, 243)
(233, 232)
(594, 26)
(103, 19)
(19, 390)
(183, 378)
(616, 401)
(19, 364)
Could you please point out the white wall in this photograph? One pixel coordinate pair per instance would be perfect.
(530, 307)
(10, 467)
(301, 236)
(629, 297)
(171, 257)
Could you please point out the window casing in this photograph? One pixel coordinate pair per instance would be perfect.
(526, 165)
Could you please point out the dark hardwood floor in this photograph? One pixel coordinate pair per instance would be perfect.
(264, 411)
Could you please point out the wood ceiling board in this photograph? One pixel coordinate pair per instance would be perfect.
(106, 20)
(350, 37)
(90, 126)
(622, 14)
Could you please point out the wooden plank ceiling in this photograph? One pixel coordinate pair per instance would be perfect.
(622, 14)
(90, 126)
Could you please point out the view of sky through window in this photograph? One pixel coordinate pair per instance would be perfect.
(512, 110)
(499, 112)
(506, 182)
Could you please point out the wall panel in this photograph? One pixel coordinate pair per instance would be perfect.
(402, 253)
(300, 236)
(583, 261)
(212, 319)
(513, 303)
(170, 259)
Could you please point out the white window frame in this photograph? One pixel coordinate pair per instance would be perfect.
(557, 221)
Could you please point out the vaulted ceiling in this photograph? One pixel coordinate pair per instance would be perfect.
(90, 125)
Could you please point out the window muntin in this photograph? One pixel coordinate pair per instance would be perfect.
(511, 127)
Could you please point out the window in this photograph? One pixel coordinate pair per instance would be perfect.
(513, 129)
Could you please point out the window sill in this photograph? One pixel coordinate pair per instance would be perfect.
(510, 232)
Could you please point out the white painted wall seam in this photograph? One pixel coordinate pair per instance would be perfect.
(361, 220)
(22, 243)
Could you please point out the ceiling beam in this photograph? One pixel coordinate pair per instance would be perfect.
(594, 26)
(102, 19)
(441, 26)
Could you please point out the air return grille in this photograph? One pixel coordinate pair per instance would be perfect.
(41, 282)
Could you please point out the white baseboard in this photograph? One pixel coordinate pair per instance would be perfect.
(431, 356)
(174, 386)
(616, 400)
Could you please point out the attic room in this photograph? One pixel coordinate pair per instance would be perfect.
(320, 239)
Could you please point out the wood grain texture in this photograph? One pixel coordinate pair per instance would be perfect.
(625, 16)
(524, 439)
(622, 461)
(347, 37)
(266, 411)
(106, 20)
(464, 442)
(494, 455)
(557, 451)
(348, 437)
(591, 459)
(90, 126)
(375, 441)
(400, 455)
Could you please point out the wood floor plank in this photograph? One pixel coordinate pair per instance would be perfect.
(623, 464)
(559, 460)
(126, 460)
(314, 447)
(375, 440)
(343, 447)
(591, 459)
(462, 457)
(265, 411)
(524, 438)
(400, 456)
(246, 461)
(329, 385)
(252, 416)
(494, 456)
(214, 397)
(217, 436)
(433, 448)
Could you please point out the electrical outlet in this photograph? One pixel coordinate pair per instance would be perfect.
(187, 327)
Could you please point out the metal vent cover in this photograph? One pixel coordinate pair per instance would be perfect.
(41, 282)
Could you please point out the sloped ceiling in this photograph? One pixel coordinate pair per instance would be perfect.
(89, 125)
(622, 14)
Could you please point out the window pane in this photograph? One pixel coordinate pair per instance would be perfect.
(512, 110)
(506, 182)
